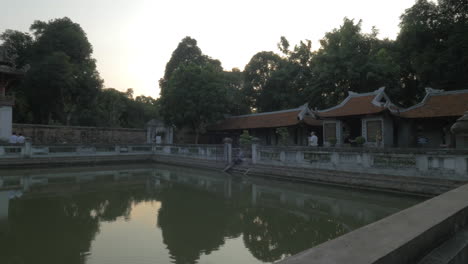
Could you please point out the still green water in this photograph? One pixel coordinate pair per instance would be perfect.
(158, 215)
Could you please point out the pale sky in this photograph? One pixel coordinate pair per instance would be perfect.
(134, 39)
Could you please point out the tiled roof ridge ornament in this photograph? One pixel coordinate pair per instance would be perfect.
(461, 126)
(305, 110)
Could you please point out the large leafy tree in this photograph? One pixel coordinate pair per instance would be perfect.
(234, 81)
(187, 51)
(433, 46)
(48, 83)
(349, 60)
(195, 97)
(257, 73)
(18, 44)
(56, 42)
(286, 86)
(63, 35)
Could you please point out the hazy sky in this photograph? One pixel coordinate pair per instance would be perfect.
(134, 39)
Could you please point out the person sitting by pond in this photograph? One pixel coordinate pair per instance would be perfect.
(20, 139)
(13, 138)
(313, 140)
(422, 140)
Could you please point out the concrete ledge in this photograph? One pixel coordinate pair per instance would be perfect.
(402, 238)
(413, 185)
(190, 162)
(12, 163)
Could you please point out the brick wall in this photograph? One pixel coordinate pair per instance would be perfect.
(45, 134)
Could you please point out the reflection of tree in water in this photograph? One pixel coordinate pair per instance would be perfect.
(271, 233)
(194, 222)
(60, 229)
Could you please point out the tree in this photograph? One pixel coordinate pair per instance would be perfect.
(257, 73)
(186, 52)
(59, 42)
(110, 107)
(65, 36)
(433, 43)
(238, 103)
(17, 43)
(348, 60)
(48, 84)
(195, 97)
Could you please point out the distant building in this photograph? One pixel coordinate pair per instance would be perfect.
(299, 122)
(432, 118)
(383, 124)
(368, 115)
(158, 132)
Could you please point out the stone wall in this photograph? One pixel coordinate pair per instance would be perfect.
(422, 162)
(402, 238)
(45, 134)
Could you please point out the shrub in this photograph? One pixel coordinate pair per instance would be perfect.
(360, 140)
(245, 138)
(283, 135)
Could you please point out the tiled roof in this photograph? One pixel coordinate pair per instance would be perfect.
(283, 118)
(354, 106)
(359, 104)
(438, 103)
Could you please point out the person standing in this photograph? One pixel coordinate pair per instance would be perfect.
(20, 139)
(13, 138)
(313, 140)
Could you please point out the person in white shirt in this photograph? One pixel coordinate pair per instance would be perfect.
(20, 139)
(13, 138)
(313, 140)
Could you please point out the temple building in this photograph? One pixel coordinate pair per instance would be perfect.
(427, 124)
(372, 117)
(367, 115)
(383, 124)
(299, 122)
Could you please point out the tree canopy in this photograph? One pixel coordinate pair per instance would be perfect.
(431, 49)
(63, 85)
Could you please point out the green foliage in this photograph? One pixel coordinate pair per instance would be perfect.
(257, 73)
(332, 141)
(245, 138)
(48, 84)
(283, 134)
(433, 47)
(18, 44)
(234, 81)
(349, 60)
(186, 52)
(119, 109)
(63, 86)
(195, 97)
(360, 140)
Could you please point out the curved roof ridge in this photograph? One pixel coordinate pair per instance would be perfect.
(439, 103)
(352, 94)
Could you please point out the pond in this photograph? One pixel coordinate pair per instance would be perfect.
(160, 214)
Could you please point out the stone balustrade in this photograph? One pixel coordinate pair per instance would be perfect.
(448, 164)
(27, 150)
(441, 164)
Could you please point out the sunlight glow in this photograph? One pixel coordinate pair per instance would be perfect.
(133, 40)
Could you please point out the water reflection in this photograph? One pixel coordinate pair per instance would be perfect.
(59, 216)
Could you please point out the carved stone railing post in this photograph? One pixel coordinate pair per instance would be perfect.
(228, 150)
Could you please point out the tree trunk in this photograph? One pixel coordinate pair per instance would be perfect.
(69, 116)
(197, 133)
